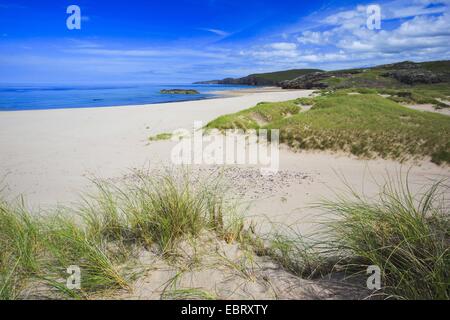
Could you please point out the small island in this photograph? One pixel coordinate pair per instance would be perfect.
(179, 91)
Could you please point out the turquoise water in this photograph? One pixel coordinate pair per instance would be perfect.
(61, 97)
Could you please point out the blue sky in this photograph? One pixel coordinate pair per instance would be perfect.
(190, 40)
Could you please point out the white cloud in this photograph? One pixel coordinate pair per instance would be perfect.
(217, 32)
(412, 8)
(283, 46)
(425, 35)
(316, 38)
(276, 50)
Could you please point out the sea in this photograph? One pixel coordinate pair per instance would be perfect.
(40, 97)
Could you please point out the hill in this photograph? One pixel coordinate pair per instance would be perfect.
(263, 79)
(397, 75)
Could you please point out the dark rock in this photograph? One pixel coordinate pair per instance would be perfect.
(248, 81)
(414, 76)
(307, 81)
(404, 65)
(179, 91)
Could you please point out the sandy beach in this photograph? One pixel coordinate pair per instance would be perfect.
(48, 156)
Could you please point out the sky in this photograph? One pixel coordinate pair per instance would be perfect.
(190, 40)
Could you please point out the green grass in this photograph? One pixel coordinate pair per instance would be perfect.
(19, 243)
(159, 210)
(160, 136)
(104, 232)
(294, 253)
(423, 95)
(188, 294)
(418, 94)
(10, 281)
(38, 250)
(437, 66)
(366, 125)
(407, 235)
(67, 243)
(371, 78)
(256, 117)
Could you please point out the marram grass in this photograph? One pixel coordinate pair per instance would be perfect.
(102, 233)
(407, 235)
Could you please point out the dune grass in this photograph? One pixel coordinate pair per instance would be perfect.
(104, 232)
(19, 243)
(67, 244)
(188, 294)
(435, 94)
(407, 235)
(160, 136)
(160, 210)
(256, 117)
(366, 125)
(296, 254)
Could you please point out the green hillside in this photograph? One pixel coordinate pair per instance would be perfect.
(264, 79)
(283, 75)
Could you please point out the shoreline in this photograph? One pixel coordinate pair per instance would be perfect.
(222, 94)
(219, 94)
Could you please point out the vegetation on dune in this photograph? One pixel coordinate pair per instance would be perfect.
(406, 235)
(159, 211)
(256, 117)
(19, 247)
(366, 125)
(436, 94)
(104, 233)
(161, 136)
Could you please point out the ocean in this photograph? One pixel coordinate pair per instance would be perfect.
(61, 97)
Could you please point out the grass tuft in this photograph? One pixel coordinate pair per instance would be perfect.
(407, 235)
(161, 136)
(160, 210)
